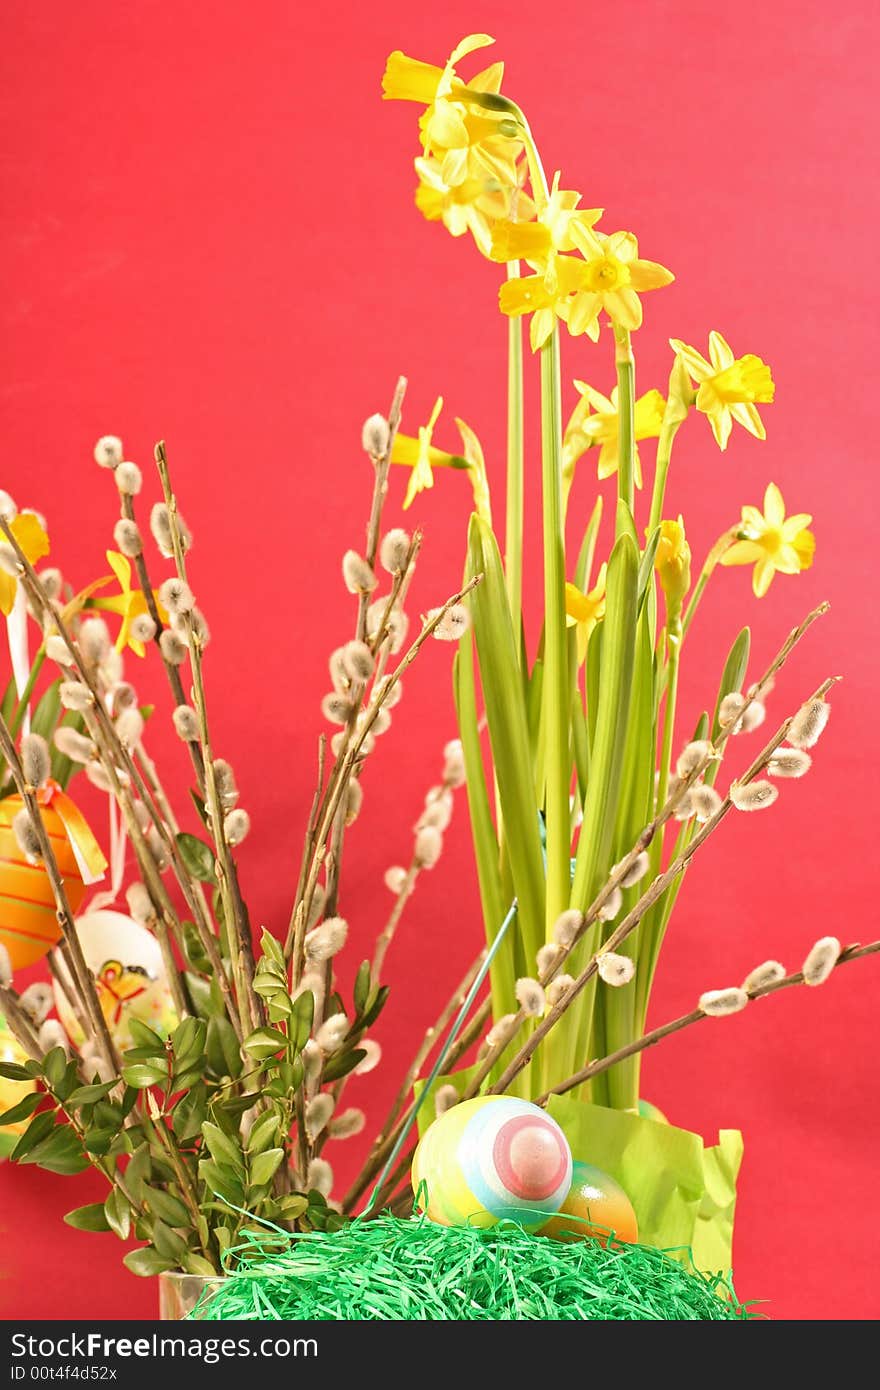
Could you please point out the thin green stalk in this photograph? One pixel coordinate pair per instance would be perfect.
(673, 641)
(513, 544)
(24, 700)
(626, 419)
(556, 708)
(723, 543)
(668, 431)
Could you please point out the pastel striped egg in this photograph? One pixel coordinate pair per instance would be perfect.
(492, 1159)
(29, 926)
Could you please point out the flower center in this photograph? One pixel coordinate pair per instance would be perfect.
(607, 273)
(772, 540)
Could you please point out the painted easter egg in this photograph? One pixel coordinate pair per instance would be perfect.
(492, 1159)
(594, 1206)
(130, 977)
(649, 1111)
(11, 1092)
(29, 925)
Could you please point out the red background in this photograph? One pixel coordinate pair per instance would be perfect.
(209, 236)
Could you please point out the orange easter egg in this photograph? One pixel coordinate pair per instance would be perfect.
(29, 926)
(595, 1206)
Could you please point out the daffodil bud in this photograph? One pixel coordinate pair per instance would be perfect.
(108, 451)
(673, 564)
(681, 395)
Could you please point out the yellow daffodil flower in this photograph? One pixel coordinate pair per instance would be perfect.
(727, 386)
(465, 142)
(474, 205)
(672, 562)
(129, 603)
(584, 611)
(772, 542)
(547, 297)
(422, 456)
(614, 277)
(28, 530)
(536, 241)
(585, 429)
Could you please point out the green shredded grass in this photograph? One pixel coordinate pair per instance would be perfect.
(415, 1271)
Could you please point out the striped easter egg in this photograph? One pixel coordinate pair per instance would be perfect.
(29, 926)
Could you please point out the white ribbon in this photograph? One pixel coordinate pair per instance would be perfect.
(17, 635)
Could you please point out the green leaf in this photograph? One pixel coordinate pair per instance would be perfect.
(223, 1149)
(508, 730)
(361, 991)
(341, 1063)
(197, 1264)
(36, 1132)
(23, 1110)
(139, 1168)
(168, 1243)
(144, 1036)
(143, 1074)
(118, 1213)
(263, 1135)
(264, 1166)
(646, 567)
(374, 1009)
(584, 567)
(55, 1067)
(14, 1071)
(200, 994)
(222, 1182)
(265, 1042)
(301, 1017)
(190, 1112)
(188, 1041)
(45, 718)
(198, 857)
(224, 1057)
(272, 949)
(165, 1205)
(195, 952)
(88, 1095)
(292, 1206)
(733, 675)
(147, 1263)
(59, 1152)
(89, 1218)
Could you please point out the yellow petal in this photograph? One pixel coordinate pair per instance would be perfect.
(514, 241)
(649, 275)
(540, 328)
(121, 567)
(7, 593)
(722, 423)
(745, 414)
(763, 577)
(805, 545)
(469, 44)
(28, 531)
(774, 506)
(407, 79)
(489, 80)
(753, 520)
(743, 553)
(720, 352)
(623, 307)
(696, 364)
(577, 605)
(798, 521)
(649, 410)
(608, 459)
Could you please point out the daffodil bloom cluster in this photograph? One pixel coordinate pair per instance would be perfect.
(773, 543)
(595, 420)
(728, 386)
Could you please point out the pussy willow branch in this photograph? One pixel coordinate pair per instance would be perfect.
(250, 1006)
(126, 503)
(386, 936)
(114, 755)
(301, 909)
(642, 843)
(332, 802)
(19, 1023)
(387, 1135)
(849, 953)
(63, 912)
(648, 898)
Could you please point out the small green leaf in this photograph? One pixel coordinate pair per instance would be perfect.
(147, 1263)
(118, 1213)
(188, 1041)
(88, 1095)
(197, 1264)
(23, 1110)
(36, 1132)
(223, 1149)
(264, 1166)
(196, 954)
(168, 1243)
(341, 1063)
(272, 948)
(144, 1036)
(143, 1074)
(55, 1067)
(14, 1071)
(60, 1152)
(265, 1042)
(89, 1218)
(224, 1057)
(301, 1019)
(361, 991)
(222, 1182)
(197, 857)
(292, 1206)
(263, 1134)
(166, 1206)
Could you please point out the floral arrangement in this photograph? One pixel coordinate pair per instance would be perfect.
(204, 1075)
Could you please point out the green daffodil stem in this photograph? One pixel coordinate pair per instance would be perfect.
(513, 546)
(668, 431)
(723, 543)
(674, 638)
(623, 356)
(17, 719)
(556, 693)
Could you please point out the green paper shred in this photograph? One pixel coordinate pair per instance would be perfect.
(388, 1269)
